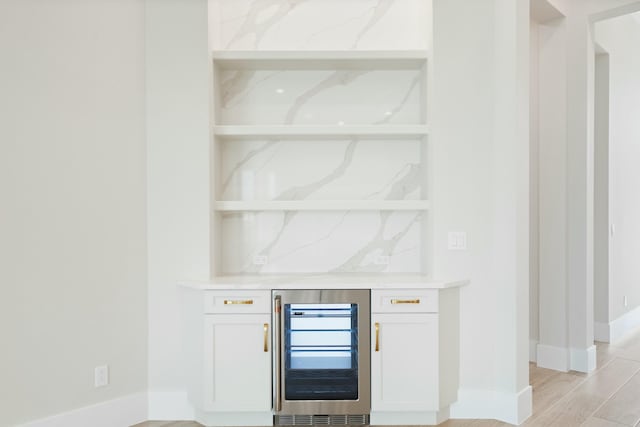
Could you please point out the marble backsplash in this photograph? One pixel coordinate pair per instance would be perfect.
(319, 97)
(320, 168)
(340, 169)
(327, 241)
(319, 24)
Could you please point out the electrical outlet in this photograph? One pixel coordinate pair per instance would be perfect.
(101, 376)
(260, 260)
(457, 241)
(381, 260)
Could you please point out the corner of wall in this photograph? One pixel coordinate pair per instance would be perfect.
(583, 360)
(168, 405)
(533, 350)
(512, 408)
(552, 357)
(601, 331)
(624, 325)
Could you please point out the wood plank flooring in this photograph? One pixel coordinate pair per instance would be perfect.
(607, 397)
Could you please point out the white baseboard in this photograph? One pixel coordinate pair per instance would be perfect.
(565, 359)
(533, 350)
(601, 331)
(624, 324)
(170, 406)
(124, 411)
(512, 408)
(552, 357)
(583, 360)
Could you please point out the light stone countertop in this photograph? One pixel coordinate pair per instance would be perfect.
(323, 281)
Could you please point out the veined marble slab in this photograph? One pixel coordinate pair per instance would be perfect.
(319, 97)
(315, 242)
(319, 24)
(321, 170)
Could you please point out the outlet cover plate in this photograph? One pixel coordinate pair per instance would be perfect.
(260, 260)
(457, 241)
(101, 376)
(381, 260)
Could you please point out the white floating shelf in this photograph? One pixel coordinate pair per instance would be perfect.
(322, 59)
(387, 131)
(323, 205)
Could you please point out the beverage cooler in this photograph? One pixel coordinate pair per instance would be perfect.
(322, 356)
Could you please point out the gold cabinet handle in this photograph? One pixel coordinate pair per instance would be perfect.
(377, 336)
(405, 301)
(266, 335)
(235, 301)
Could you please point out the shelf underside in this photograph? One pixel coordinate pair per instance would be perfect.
(323, 205)
(307, 132)
(321, 59)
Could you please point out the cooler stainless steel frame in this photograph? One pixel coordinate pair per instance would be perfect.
(359, 406)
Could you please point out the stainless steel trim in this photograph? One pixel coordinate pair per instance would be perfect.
(277, 348)
(359, 406)
(318, 420)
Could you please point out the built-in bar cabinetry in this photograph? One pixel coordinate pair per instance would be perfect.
(414, 349)
(414, 357)
(320, 179)
(228, 350)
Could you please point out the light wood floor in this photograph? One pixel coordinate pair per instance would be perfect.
(608, 397)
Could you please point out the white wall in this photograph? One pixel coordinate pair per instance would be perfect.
(553, 192)
(566, 192)
(547, 139)
(579, 189)
(534, 148)
(566, 287)
(544, 139)
(177, 97)
(601, 197)
(481, 143)
(620, 37)
(72, 204)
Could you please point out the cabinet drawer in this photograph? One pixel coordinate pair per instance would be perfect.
(237, 302)
(404, 301)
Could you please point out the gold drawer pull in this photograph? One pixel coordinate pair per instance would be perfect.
(266, 334)
(235, 301)
(377, 336)
(405, 301)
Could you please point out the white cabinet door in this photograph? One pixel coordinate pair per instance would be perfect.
(237, 363)
(404, 362)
